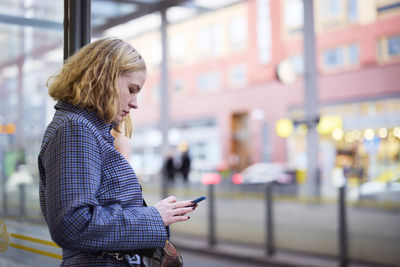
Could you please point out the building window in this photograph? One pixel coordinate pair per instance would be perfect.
(203, 42)
(209, 81)
(266, 143)
(178, 48)
(178, 86)
(331, 8)
(156, 52)
(209, 41)
(393, 45)
(264, 31)
(156, 91)
(293, 16)
(238, 33)
(333, 57)
(389, 48)
(353, 54)
(216, 34)
(341, 57)
(352, 10)
(297, 62)
(237, 76)
(332, 13)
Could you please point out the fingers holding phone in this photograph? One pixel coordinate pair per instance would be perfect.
(173, 211)
(197, 200)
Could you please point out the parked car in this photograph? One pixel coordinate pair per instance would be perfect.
(374, 190)
(263, 172)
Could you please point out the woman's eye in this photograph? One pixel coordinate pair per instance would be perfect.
(131, 91)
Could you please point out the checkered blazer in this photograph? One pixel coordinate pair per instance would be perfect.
(89, 194)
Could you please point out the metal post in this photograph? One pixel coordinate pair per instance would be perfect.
(74, 41)
(86, 22)
(20, 133)
(269, 219)
(4, 183)
(164, 115)
(66, 30)
(22, 202)
(311, 98)
(343, 260)
(77, 25)
(211, 216)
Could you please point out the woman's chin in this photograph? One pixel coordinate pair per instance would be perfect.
(117, 121)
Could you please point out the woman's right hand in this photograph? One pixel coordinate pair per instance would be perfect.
(173, 211)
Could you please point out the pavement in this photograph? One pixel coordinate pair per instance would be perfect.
(245, 255)
(252, 255)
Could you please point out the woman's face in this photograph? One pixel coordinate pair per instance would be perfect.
(129, 85)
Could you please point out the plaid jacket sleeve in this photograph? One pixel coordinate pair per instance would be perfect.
(73, 162)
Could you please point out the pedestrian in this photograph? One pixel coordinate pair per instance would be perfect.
(169, 168)
(185, 165)
(90, 196)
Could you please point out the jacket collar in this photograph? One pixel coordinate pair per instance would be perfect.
(103, 126)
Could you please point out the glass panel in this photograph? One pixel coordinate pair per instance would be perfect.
(30, 55)
(302, 223)
(45, 10)
(105, 10)
(306, 225)
(363, 153)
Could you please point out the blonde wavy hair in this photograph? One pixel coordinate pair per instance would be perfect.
(89, 78)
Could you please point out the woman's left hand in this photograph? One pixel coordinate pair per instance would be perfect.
(173, 211)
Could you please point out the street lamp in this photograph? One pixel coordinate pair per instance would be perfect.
(284, 128)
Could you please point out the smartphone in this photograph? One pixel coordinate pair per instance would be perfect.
(197, 200)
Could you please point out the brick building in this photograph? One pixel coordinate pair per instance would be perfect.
(225, 96)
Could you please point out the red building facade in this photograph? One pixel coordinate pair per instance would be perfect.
(236, 97)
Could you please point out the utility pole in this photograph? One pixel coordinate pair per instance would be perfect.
(311, 100)
(164, 116)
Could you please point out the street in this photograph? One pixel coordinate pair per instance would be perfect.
(309, 227)
(240, 217)
(191, 259)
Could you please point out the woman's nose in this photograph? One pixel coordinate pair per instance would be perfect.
(133, 103)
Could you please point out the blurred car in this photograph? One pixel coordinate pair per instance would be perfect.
(374, 190)
(263, 172)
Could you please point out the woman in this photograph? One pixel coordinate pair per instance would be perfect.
(89, 194)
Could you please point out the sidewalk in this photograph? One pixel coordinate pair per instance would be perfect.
(255, 255)
(249, 255)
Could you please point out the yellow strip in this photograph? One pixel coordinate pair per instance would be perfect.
(37, 251)
(40, 241)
